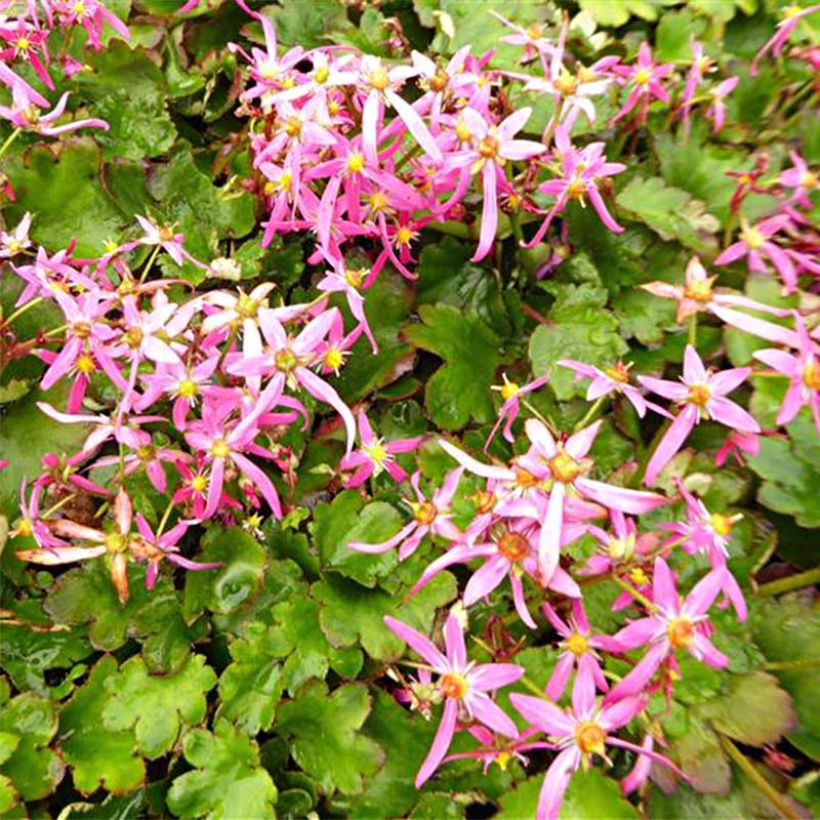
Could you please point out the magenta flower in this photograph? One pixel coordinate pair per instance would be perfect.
(24, 42)
(288, 359)
(578, 733)
(567, 465)
(489, 148)
(577, 650)
(92, 15)
(499, 749)
(614, 379)
(717, 109)
(430, 517)
(673, 625)
(153, 549)
(645, 78)
(803, 372)
(582, 172)
(701, 395)
(375, 455)
(800, 178)
(31, 524)
(738, 444)
(793, 14)
(511, 393)
(463, 686)
(698, 294)
(24, 115)
(756, 244)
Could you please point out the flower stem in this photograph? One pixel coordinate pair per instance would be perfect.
(781, 585)
(149, 264)
(165, 517)
(763, 785)
(10, 140)
(693, 330)
(21, 310)
(775, 666)
(636, 594)
(591, 414)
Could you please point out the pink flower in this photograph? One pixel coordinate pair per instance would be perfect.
(737, 444)
(803, 372)
(16, 241)
(673, 625)
(698, 294)
(577, 649)
(614, 380)
(24, 115)
(429, 518)
(800, 179)
(645, 78)
(92, 15)
(489, 148)
(375, 455)
(25, 40)
(701, 395)
(785, 28)
(567, 465)
(511, 393)
(717, 110)
(579, 733)
(756, 244)
(462, 685)
(582, 172)
(153, 549)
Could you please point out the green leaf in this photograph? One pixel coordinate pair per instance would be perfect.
(63, 187)
(324, 736)
(590, 795)
(155, 707)
(582, 330)
(154, 616)
(352, 615)
(228, 780)
(702, 759)
(127, 90)
(308, 24)
(673, 37)
(26, 435)
(459, 390)
(27, 726)
(755, 710)
(250, 687)
(97, 756)
(349, 519)
(790, 471)
(670, 212)
(236, 584)
(615, 13)
(788, 632)
(203, 212)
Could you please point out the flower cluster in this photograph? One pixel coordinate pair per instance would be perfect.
(200, 393)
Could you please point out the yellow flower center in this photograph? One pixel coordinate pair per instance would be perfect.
(376, 452)
(488, 147)
(114, 542)
(721, 524)
(577, 189)
(699, 395)
(513, 546)
(334, 358)
(753, 238)
(425, 513)
(377, 201)
(246, 307)
(85, 364)
(404, 235)
(484, 502)
(23, 44)
(577, 644)
(187, 388)
(79, 8)
(620, 548)
(378, 79)
(508, 390)
(642, 77)
(355, 163)
(220, 449)
(811, 375)
(453, 685)
(618, 373)
(564, 467)
(524, 478)
(293, 127)
(681, 633)
(321, 75)
(439, 81)
(463, 131)
(199, 483)
(566, 84)
(285, 360)
(700, 290)
(133, 337)
(808, 179)
(354, 278)
(590, 738)
(638, 577)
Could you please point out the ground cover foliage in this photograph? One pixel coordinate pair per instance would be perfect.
(409, 408)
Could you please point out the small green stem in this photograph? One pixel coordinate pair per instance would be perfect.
(763, 785)
(693, 330)
(590, 414)
(10, 140)
(21, 310)
(149, 264)
(781, 585)
(775, 666)
(165, 516)
(636, 594)
(413, 152)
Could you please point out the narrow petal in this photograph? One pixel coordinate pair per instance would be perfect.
(672, 441)
(422, 645)
(543, 715)
(486, 579)
(454, 642)
(491, 714)
(556, 782)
